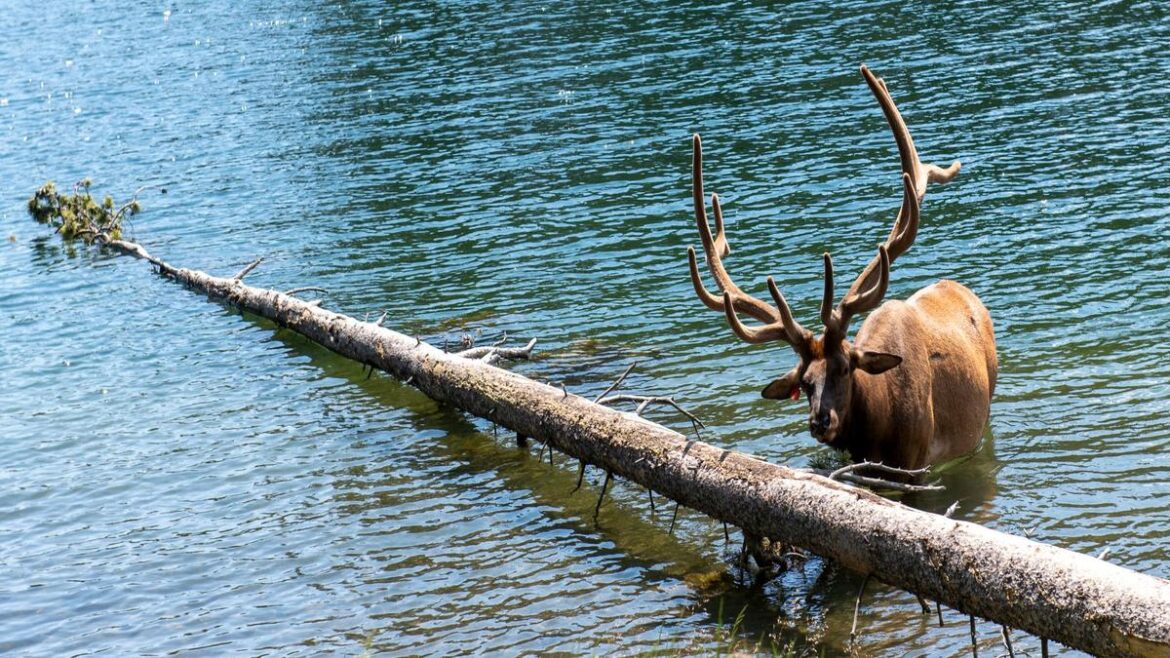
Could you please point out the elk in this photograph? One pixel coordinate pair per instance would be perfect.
(914, 386)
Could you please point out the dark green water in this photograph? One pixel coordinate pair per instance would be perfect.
(176, 478)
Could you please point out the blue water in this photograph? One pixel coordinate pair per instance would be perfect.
(178, 478)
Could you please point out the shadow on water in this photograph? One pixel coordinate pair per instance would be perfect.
(639, 542)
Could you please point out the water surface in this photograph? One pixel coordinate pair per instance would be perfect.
(181, 479)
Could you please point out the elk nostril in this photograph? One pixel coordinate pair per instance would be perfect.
(820, 422)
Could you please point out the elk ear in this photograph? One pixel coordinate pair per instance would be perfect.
(875, 363)
(787, 386)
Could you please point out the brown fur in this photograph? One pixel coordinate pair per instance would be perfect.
(935, 405)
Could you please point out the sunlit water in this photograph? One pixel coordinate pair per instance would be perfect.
(178, 478)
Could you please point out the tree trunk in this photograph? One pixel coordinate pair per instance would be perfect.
(1077, 600)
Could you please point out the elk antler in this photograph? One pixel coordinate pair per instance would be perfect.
(920, 173)
(916, 175)
(867, 289)
(779, 323)
(858, 299)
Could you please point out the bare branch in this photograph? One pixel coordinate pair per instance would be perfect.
(849, 473)
(120, 214)
(857, 609)
(601, 498)
(616, 383)
(922, 603)
(248, 268)
(293, 291)
(136, 250)
(495, 353)
(879, 483)
(1007, 640)
(580, 475)
(644, 401)
(877, 466)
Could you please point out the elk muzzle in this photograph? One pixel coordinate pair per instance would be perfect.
(823, 424)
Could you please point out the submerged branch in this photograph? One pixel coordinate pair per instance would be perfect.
(903, 477)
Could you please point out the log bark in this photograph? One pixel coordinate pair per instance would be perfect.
(1077, 600)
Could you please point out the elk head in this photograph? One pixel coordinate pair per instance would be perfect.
(826, 370)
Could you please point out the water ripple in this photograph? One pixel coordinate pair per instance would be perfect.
(183, 479)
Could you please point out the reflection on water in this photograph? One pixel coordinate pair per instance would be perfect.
(180, 478)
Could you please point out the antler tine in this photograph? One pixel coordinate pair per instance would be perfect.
(709, 300)
(779, 324)
(764, 334)
(700, 207)
(906, 228)
(744, 303)
(920, 172)
(827, 298)
(798, 335)
(915, 176)
(901, 236)
(860, 302)
(787, 329)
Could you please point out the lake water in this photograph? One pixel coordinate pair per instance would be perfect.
(177, 478)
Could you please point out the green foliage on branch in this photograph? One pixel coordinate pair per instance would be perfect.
(80, 215)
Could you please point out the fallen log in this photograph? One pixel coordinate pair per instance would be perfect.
(1074, 599)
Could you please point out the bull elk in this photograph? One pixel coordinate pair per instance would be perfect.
(914, 386)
